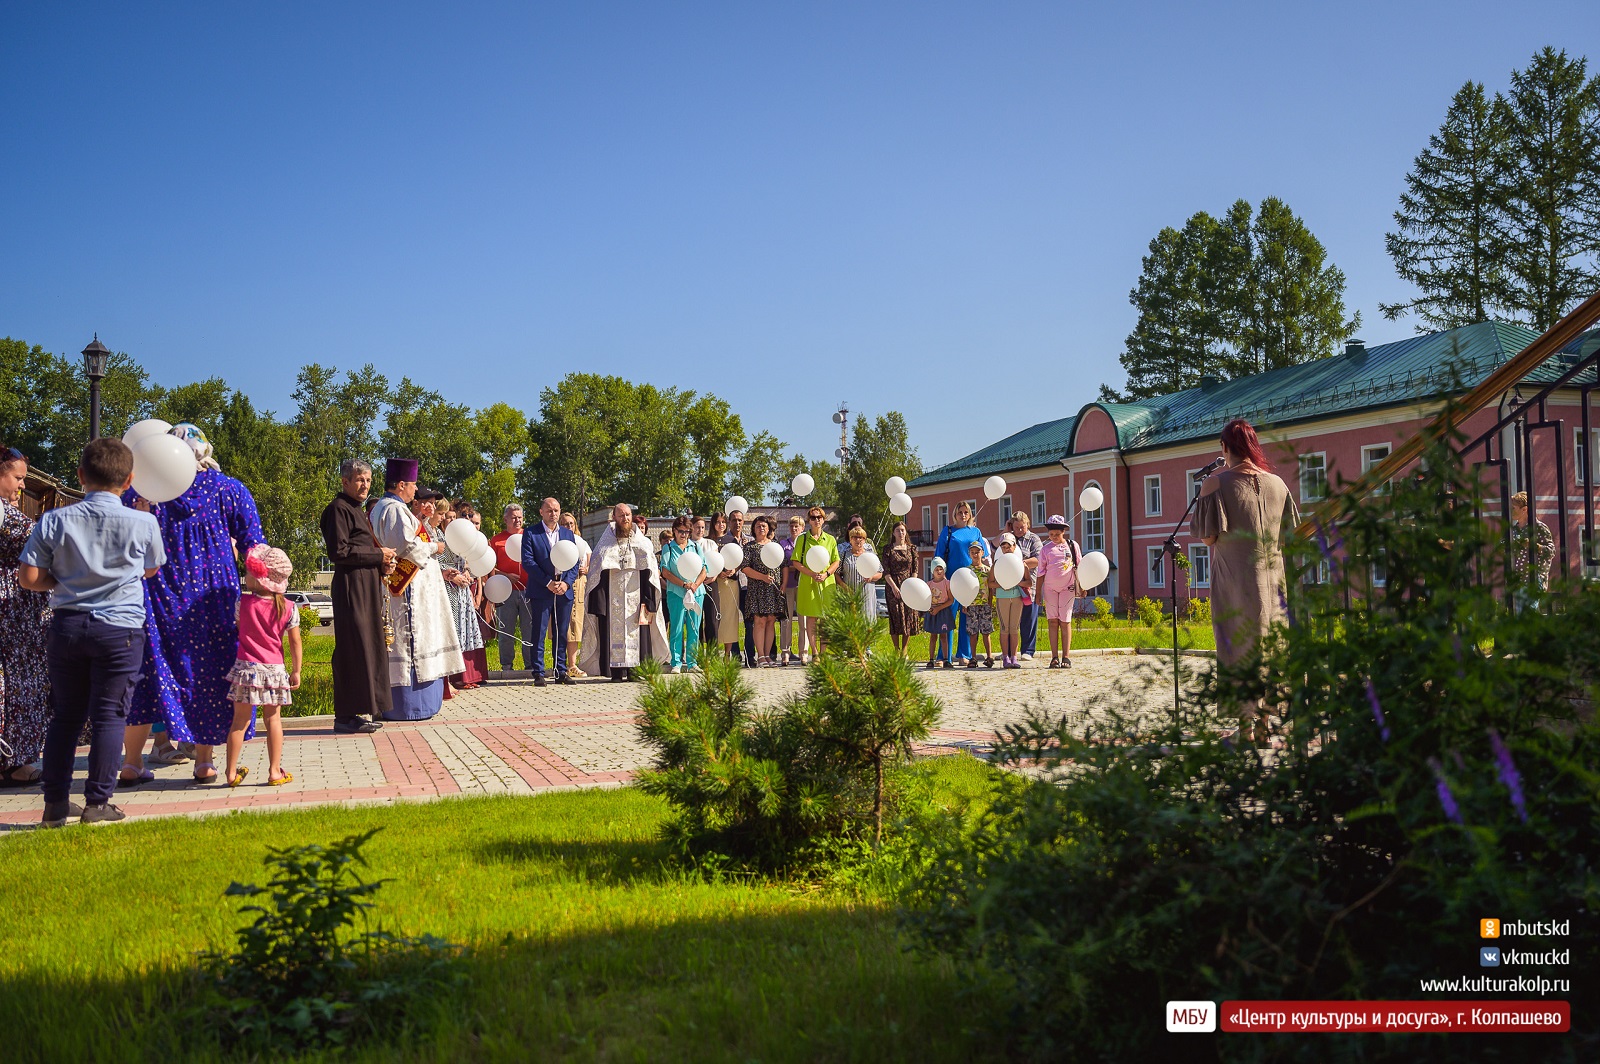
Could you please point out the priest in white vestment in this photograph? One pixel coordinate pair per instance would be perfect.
(624, 623)
(425, 648)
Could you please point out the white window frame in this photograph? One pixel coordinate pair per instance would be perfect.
(927, 518)
(1040, 514)
(972, 504)
(1190, 476)
(1368, 461)
(1097, 541)
(1318, 574)
(1153, 556)
(944, 515)
(1198, 551)
(1301, 463)
(1577, 454)
(1155, 482)
(1378, 571)
(1005, 511)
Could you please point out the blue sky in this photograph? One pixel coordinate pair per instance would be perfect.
(931, 207)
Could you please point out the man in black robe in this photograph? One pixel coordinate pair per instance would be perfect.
(360, 653)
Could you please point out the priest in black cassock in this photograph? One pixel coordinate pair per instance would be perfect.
(360, 653)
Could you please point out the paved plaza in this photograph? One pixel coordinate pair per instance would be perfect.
(510, 737)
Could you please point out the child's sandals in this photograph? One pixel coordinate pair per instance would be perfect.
(238, 777)
(287, 777)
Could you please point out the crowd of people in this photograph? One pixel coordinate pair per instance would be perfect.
(134, 622)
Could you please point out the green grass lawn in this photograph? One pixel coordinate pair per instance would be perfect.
(315, 696)
(585, 945)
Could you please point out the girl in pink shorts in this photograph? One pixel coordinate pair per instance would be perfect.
(1058, 589)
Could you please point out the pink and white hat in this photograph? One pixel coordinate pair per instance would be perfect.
(270, 566)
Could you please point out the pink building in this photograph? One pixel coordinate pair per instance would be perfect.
(1332, 418)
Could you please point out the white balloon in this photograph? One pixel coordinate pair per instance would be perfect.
(736, 503)
(817, 558)
(732, 556)
(964, 586)
(564, 555)
(802, 484)
(771, 555)
(994, 487)
(1091, 498)
(916, 594)
(1008, 570)
(513, 546)
(482, 563)
(894, 486)
(150, 426)
(497, 588)
(714, 565)
(689, 565)
(1093, 570)
(900, 504)
(868, 564)
(163, 468)
(458, 537)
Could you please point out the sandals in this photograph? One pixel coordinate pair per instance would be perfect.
(198, 765)
(10, 777)
(144, 776)
(287, 777)
(238, 777)
(168, 755)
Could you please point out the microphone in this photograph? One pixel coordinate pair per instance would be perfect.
(1212, 468)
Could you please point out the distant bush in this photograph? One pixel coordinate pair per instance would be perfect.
(1437, 764)
(309, 619)
(761, 785)
(1102, 612)
(1148, 610)
(1199, 611)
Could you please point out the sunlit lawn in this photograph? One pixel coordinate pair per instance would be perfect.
(585, 946)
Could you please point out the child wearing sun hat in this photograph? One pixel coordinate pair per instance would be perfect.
(258, 677)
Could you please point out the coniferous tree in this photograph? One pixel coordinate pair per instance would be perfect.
(1296, 298)
(1552, 202)
(1450, 228)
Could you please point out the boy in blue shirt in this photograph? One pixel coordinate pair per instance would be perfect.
(92, 558)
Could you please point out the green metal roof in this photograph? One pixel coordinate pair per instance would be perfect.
(1409, 370)
(1038, 445)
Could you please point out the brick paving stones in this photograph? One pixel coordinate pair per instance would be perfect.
(510, 737)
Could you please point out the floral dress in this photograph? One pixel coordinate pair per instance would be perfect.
(762, 599)
(900, 564)
(24, 618)
(980, 615)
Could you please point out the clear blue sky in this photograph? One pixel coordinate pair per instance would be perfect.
(931, 207)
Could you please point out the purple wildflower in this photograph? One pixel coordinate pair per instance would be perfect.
(1322, 543)
(1377, 710)
(1447, 800)
(1509, 774)
(1283, 600)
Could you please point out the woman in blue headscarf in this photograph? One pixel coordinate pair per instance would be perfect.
(191, 609)
(955, 542)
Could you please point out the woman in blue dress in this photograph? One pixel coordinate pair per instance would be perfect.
(192, 634)
(954, 542)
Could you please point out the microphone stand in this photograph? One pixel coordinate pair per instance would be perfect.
(1169, 551)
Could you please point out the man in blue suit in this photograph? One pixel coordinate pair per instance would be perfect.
(549, 591)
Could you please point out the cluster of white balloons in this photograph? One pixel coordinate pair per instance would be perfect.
(474, 549)
(163, 465)
(899, 501)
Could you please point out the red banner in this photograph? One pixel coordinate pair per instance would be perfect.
(1277, 1017)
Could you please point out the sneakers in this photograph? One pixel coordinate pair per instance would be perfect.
(355, 726)
(56, 814)
(1026, 657)
(102, 814)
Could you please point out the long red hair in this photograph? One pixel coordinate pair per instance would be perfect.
(1239, 436)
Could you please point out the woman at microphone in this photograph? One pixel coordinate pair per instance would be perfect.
(1244, 513)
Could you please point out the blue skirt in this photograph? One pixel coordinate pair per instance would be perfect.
(417, 702)
(939, 622)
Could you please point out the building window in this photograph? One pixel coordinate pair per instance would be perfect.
(1199, 565)
(944, 515)
(972, 504)
(1577, 455)
(1313, 477)
(1195, 481)
(1318, 573)
(1380, 571)
(1157, 566)
(1373, 455)
(1094, 527)
(1039, 516)
(1005, 511)
(927, 518)
(1152, 496)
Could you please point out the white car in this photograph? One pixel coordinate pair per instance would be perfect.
(313, 600)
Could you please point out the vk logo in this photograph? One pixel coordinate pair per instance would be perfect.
(1489, 956)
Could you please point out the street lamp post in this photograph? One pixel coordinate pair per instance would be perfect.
(95, 358)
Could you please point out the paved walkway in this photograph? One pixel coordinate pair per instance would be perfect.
(510, 737)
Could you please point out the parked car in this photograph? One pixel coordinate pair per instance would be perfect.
(883, 600)
(313, 600)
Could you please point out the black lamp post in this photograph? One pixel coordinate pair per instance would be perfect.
(95, 358)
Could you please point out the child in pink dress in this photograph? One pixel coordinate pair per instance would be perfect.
(258, 677)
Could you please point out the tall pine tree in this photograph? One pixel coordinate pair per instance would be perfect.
(1296, 308)
(1552, 203)
(1450, 228)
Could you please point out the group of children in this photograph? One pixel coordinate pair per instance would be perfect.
(91, 558)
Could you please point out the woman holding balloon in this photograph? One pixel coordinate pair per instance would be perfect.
(208, 519)
(762, 569)
(861, 571)
(464, 593)
(954, 546)
(819, 556)
(899, 565)
(683, 567)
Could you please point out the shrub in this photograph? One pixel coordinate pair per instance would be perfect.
(1199, 611)
(1102, 612)
(300, 977)
(309, 619)
(1432, 770)
(1148, 610)
(761, 784)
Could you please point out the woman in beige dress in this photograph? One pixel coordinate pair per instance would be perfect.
(1244, 514)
